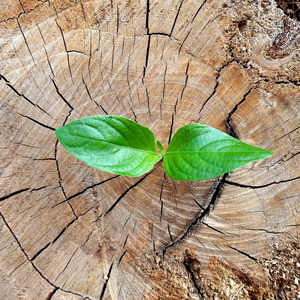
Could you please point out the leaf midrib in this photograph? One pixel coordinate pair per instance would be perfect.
(121, 146)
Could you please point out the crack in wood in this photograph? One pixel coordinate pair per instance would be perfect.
(84, 190)
(106, 282)
(161, 201)
(87, 90)
(182, 43)
(66, 49)
(211, 227)
(260, 186)
(169, 232)
(187, 264)
(67, 264)
(230, 127)
(127, 190)
(214, 89)
(37, 122)
(63, 98)
(245, 254)
(51, 294)
(176, 17)
(147, 15)
(199, 9)
(120, 259)
(13, 194)
(198, 219)
(22, 95)
(25, 40)
(287, 134)
(33, 264)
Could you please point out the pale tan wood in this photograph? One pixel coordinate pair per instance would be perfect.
(75, 232)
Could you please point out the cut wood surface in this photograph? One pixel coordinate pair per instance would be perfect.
(69, 231)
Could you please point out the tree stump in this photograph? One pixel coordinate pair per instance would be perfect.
(69, 231)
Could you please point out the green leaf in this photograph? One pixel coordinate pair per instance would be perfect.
(111, 143)
(160, 147)
(199, 152)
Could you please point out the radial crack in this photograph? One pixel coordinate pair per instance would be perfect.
(37, 122)
(230, 128)
(244, 253)
(22, 95)
(33, 264)
(176, 17)
(127, 190)
(214, 90)
(198, 219)
(106, 281)
(66, 49)
(61, 96)
(260, 186)
(13, 194)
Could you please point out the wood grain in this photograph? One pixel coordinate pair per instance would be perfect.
(75, 232)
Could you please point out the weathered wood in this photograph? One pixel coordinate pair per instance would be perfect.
(69, 231)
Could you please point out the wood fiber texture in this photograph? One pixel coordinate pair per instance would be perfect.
(69, 231)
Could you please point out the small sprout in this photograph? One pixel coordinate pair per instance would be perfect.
(121, 146)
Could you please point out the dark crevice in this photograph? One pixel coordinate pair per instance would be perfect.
(127, 219)
(171, 128)
(125, 242)
(217, 230)
(170, 234)
(214, 90)
(197, 12)
(244, 253)
(13, 194)
(198, 219)
(148, 101)
(66, 49)
(44, 159)
(161, 33)
(147, 57)
(182, 43)
(267, 231)
(127, 190)
(106, 281)
(103, 109)
(22, 95)
(161, 201)
(188, 264)
(185, 83)
(33, 265)
(67, 264)
(260, 186)
(61, 96)
(287, 134)
(40, 251)
(26, 43)
(121, 257)
(147, 15)
(118, 18)
(198, 203)
(176, 17)
(88, 92)
(37, 122)
(230, 127)
(64, 229)
(51, 294)
(292, 156)
(84, 190)
(290, 8)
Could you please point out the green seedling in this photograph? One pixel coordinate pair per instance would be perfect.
(121, 146)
